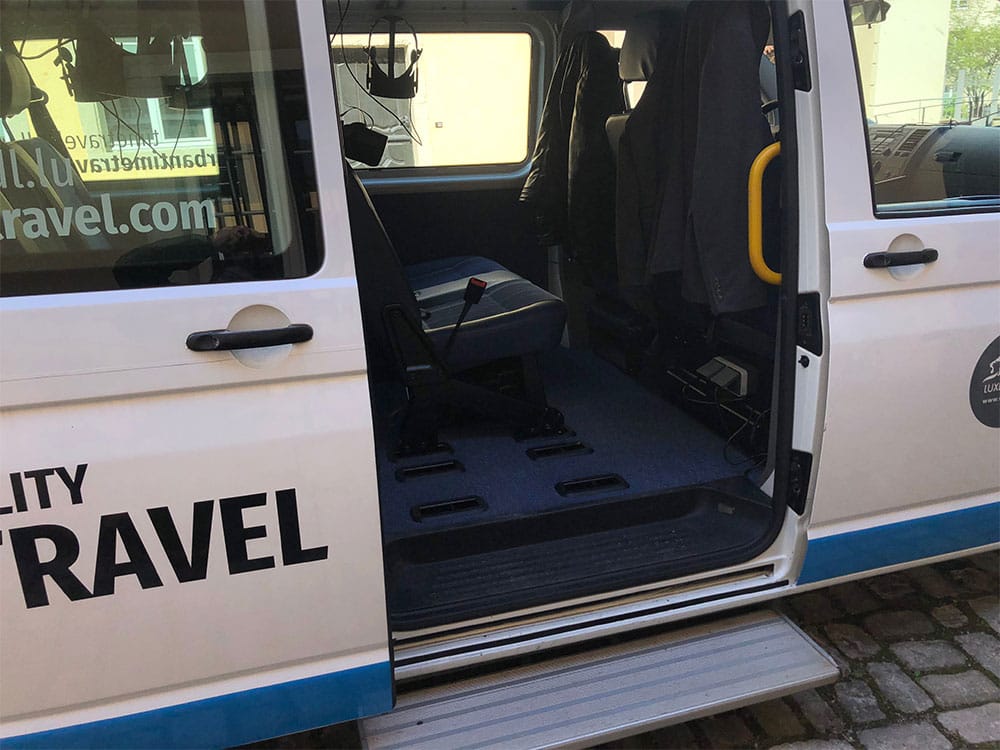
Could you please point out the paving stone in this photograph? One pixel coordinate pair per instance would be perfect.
(988, 608)
(896, 687)
(975, 725)
(917, 736)
(891, 586)
(858, 701)
(842, 662)
(988, 561)
(815, 745)
(854, 598)
(973, 580)
(931, 581)
(852, 640)
(898, 624)
(962, 689)
(950, 616)
(726, 730)
(814, 607)
(984, 648)
(818, 712)
(923, 656)
(777, 720)
(675, 737)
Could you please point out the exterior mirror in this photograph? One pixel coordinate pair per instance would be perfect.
(867, 12)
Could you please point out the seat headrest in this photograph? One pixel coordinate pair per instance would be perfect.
(15, 85)
(643, 37)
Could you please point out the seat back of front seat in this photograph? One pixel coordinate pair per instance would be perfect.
(645, 140)
(382, 281)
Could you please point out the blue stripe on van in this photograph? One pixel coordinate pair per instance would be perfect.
(233, 719)
(906, 541)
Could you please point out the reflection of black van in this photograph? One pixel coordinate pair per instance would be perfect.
(322, 436)
(956, 164)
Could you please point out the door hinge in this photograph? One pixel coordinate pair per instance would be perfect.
(799, 470)
(808, 324)
(798, 49)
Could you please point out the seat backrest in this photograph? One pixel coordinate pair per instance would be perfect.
(381, 280)
(636, 63)
(34, 158)
(645, 139)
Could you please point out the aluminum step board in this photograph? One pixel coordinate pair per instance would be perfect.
(610, 693)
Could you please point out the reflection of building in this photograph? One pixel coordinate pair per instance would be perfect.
(903, 62)
(125, 138)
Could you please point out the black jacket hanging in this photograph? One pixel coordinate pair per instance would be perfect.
(570, 187)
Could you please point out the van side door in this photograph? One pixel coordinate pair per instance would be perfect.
(908, 464)
(190, 551)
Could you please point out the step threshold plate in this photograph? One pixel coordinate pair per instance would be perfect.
(610, 693)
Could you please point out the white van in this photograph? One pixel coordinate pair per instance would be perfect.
(457, 356)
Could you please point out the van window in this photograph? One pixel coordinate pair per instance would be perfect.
(153, 145)
(929, 81)
(473, 99)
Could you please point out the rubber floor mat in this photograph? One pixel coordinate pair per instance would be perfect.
(459, 574)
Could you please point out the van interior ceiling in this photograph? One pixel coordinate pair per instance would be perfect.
(541, 439)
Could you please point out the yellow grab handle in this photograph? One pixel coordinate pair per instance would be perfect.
(755, 187)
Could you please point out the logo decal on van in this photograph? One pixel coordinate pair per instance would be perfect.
(984, 390)
(47, 554)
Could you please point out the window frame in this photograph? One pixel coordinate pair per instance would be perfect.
(310, 260)
(468, 176)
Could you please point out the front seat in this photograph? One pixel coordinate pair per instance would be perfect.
(417, 322)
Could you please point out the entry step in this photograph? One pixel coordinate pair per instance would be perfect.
(610, 693)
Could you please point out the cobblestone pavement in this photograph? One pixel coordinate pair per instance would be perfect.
(920, 670)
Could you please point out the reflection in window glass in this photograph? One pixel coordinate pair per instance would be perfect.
(472, 103)
(930, 80)
(153, 144)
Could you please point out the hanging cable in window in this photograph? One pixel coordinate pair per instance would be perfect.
(411, 131)
(140, 140)
(58, 45)
(118, 131)
(365, 117)
(180, 129)
(26, 26)
(138, 134)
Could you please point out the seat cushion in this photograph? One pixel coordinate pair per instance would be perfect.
(444, 270)
(513, 318)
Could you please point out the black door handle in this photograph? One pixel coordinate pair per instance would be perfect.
(912, 258)
(224, 340)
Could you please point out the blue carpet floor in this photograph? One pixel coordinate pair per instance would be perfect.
(631, 431)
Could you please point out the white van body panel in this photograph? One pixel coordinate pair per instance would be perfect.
(904, 471)
(903, 341)
(104, 380)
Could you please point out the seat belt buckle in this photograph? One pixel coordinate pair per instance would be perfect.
(474, 291)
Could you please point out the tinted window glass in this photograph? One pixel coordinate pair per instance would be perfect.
(929, 80)
(153, 144)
